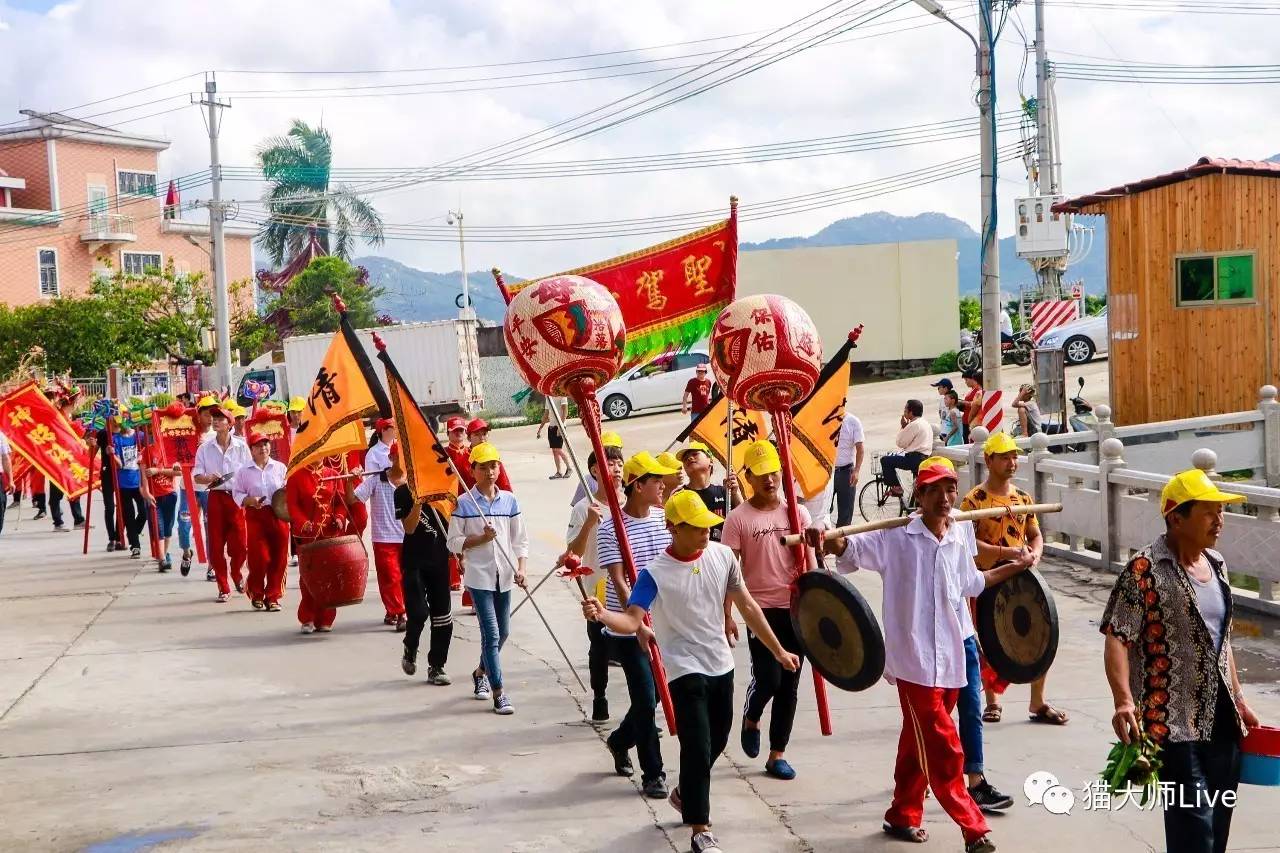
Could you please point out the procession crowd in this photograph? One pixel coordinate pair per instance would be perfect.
(702, 545)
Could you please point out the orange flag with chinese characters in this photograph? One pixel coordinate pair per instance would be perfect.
(345, 390)
(712, 429)
(46, 439)
(425, 463)
(815, 425)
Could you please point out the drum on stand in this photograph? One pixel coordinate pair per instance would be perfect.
(334, 571)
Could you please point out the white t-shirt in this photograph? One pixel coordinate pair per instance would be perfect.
(591, 551)
(687, 603)
(850, 437)
(1006, 324)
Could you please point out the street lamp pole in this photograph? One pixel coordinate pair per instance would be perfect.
(984, 54)
(466, 312)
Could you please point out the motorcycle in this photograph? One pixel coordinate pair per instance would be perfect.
(1083, 420)
(1017, 351)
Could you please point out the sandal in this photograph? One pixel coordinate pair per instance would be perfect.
(914, 834)
(992, 713)
(1049, 715)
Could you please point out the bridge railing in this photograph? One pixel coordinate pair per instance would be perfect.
(1109, 486)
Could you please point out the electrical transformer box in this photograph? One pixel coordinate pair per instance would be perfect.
(1041, 232)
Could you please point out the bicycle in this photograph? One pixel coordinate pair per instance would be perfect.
(874, 501)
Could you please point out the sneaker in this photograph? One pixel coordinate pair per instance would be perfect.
(621, 761)
(480, 684)
(293, 562)
(210, 576)
(980, 845)
(600, 710)
(502, 705)
(120, 546)
(704, 842)
(307, 628)
(780, 768)
(437, 676)
(160, 566)
(39, 515)
(239, 588)
(675, 801)
(388, 619)
(111, 546)
(135, 553)
(409, 664)
(224, 597)
(401, 624)
(79, 525)
(323, 629)
(988, 798)
(185, 566)
(655, 789)
(60, 528)
(750, 740)
(273, 607)
(258, 604)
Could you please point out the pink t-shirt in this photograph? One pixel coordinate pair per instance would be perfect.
(767, 565)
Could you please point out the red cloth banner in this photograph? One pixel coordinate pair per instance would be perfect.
(179, 434)
(670, 294)
(46, 439)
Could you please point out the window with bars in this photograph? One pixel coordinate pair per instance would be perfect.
(1214, 279)
(47, 260)
(137, 263)
(136, 183)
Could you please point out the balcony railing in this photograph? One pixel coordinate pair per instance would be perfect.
(108, 228)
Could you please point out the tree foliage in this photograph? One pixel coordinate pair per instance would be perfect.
(970, 313)
(300, 197)
(130, 320)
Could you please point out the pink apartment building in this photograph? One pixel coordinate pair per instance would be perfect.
(78, 198)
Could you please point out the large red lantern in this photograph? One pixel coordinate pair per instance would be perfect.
(765, 352)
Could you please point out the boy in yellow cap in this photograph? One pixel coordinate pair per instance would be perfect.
(608, 439)
(296, 405)
(1168, 652)
(752, 530)
(648, 537)
(695, 458)
(685, 588)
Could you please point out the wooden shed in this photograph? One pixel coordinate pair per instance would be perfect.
(1193, 268)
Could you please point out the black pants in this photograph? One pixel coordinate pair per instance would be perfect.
(769, 681)
(55, 507)
(845, 497)
(636, 729)
(135, 514)
(38, 501)
(704, 715)
(1202, 770)
(598, 659)
(109, 513)
(426, 593)
(892, 463)
(3, 503)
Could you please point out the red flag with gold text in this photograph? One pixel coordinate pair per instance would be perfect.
(46, 439)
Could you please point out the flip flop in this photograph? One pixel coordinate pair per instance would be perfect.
(1050, 715)
(914, 834)
(992, 713)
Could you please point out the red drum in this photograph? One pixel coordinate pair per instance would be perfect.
(334, 571)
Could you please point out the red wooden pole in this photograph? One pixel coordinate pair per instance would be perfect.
(584, 394)
(193, 509)
(782, 433)
(88, 501)
(115, 485)
(152, 529)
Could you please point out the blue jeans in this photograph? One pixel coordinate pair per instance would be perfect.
(969, 707)
(493, 612)
(184, 521)
(166, 513)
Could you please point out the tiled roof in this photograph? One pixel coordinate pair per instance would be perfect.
(1203, 166)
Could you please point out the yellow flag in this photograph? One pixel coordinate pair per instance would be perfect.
(425, 463)
(345, 391)
(815, 426)
(711, 429)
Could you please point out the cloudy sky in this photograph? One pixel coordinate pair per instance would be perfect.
(898, 70)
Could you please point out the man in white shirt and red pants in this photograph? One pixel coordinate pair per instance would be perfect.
(928, 571)
(382, 475)
(267, 536)
(217, 461)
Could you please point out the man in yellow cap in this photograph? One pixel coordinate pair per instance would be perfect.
(695, 458)
(1168, 652)
(685, 588)
(647, 535)
(927, 571)
(752, 530)
(608, 439)
(296, 405)
(487, 527)
(1004, 539)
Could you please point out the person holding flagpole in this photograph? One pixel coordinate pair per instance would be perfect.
(425, 581)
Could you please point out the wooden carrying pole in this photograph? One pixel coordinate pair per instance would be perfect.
(971, 515)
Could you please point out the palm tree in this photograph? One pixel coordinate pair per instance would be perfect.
(299, 198)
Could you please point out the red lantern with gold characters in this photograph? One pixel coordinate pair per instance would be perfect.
(562, 330)
(765, 352)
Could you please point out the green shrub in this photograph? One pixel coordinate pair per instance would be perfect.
(945, 363)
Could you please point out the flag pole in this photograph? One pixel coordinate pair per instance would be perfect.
(728, 452)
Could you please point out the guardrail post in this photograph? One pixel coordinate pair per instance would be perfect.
(1110, 457)
(977, 462)
(1207, 461)
(1039, 451)
(1270, 433)
(1105, 428)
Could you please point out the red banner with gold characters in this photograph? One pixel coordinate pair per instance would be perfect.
(46, 439)
(671, 293)
(178, 432)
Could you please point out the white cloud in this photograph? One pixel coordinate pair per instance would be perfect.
(1110, 132)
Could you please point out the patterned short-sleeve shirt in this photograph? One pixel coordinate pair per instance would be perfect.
(1174, 671)
(1005, 531)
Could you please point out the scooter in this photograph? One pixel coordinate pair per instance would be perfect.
(1083, 420)
(1017, 351)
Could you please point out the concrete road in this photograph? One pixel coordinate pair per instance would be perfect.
(137, 714)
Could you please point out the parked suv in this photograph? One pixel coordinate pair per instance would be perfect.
(1080, 340)
(657, 384)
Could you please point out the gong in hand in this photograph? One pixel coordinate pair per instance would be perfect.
(839, 632)
(1017, 627)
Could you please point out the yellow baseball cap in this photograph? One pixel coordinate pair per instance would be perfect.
(208, 401)
(235, 410)
(644, 463)
(762, 458)
(687, 507)
(935, 468)
(611, 439)
(692, 447)
(484, 452)
(670, 460)
(1000, 442)
(297, 404)
(1193, 485)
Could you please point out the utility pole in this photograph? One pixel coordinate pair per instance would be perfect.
(466, 312)
(990, 292)
(218, 246)
(1049, 270)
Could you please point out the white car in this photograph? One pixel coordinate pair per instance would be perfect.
(657, 384)
(1080, 340)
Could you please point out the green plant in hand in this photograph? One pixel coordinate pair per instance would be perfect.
(1134, 765)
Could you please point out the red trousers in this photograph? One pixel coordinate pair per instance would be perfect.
(308, 612)
(226, 538)
(386, 561)
(455, 574)
(929, 755)
(268, 545)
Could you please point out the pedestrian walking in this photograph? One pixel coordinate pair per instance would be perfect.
(382, 473)
(697, 393)
(424, 567)
(608, 439)
(850, 451)
(318, 509)
(267, 536)
(6, 477)
(159, 491)
(129, 479)
(555, 438)
(217, 462)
